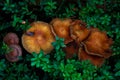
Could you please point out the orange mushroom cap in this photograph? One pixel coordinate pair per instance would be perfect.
(98, 43)
(78, 31)
(38, 37)
(11, 38)
(61, 28)
(14, 55)
(95, 60)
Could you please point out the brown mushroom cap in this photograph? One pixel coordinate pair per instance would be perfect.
(11, 38)
(98, 43)
(14, 55)
(38, 37)
(95, 60)
(61, 28)
(78, 31)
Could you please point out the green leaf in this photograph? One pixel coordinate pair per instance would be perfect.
(33, 63)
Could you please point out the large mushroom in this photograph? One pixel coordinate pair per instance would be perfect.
(96, 47)
(98, 43)
(61, 28)
(94, 44)
(38, 37)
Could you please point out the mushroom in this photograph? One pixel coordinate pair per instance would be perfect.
(95, 60)
(71, 49)
(94, 44)
(96, 47)
(61, 28)
(78, 31)
(98, 43)
(14, 54)
(38, 37)
(11, 38)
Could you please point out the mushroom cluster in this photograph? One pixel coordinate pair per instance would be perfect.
(12, 40)
(94, 45)
(89, 44)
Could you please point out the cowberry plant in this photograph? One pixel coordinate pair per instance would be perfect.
(16, 15)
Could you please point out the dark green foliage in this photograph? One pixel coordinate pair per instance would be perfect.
(16, 16)
(59, 68)
(13, 71)
(49, 8)
(5, 49)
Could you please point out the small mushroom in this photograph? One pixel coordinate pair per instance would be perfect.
(78, 31)
(11, 38)
(38, 37)
(61, 28)
(14, 54)
(98, 43)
